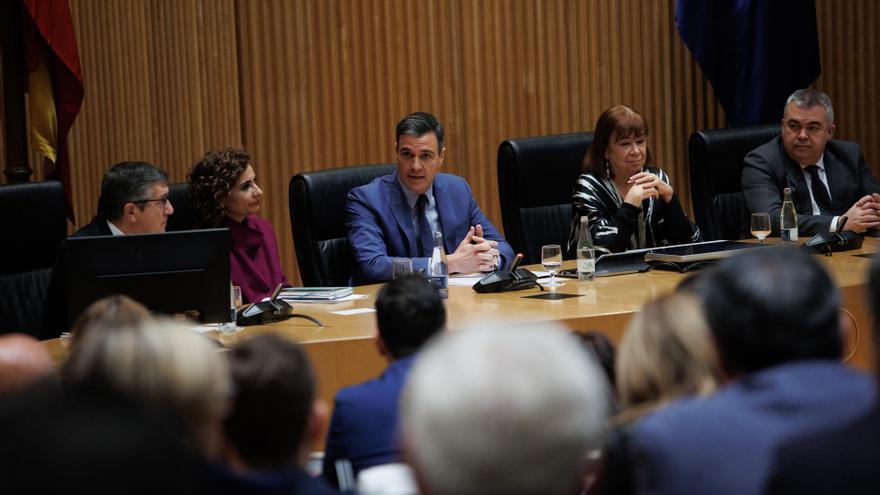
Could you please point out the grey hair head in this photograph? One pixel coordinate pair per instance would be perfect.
(809, 98)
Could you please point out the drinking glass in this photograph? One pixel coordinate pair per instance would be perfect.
(551, 259)
(235, 302)
(401, 267)
(760, 225)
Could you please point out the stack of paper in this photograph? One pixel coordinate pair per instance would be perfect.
(315, 293)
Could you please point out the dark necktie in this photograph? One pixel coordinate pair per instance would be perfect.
(424, 237)
(820, 192)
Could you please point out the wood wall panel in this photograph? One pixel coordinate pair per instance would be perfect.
(849, 46)
(314, 84)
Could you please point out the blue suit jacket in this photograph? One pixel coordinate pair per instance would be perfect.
(379, 223)
(365, 419)
(724, 443)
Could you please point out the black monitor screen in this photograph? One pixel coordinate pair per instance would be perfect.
(172, 273)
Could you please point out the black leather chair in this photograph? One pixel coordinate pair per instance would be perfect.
(184, 217)
(716, 159)
(317, 220)
(34, 226)
(536, 176)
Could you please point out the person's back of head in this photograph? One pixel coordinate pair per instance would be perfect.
(271, 420)
(771, 306)
(110, 312)
(409, 311)
(503, 410)
(161, 364)
(127, 182)
(666, 353)
(23, 362)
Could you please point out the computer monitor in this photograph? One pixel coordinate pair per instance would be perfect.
(184, 272)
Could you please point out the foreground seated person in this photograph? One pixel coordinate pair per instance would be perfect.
(828, 178)
(224, 191)
(364, 426)
(396, 215)
(274, 418)
(23, 362)
(134, 200)
(775, 320)
(513, 411)
(629, 202)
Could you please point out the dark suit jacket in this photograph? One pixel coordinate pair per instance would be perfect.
(724, 443)
(768, 169)
(365, 419)
(844, 460)
(289, 481)
(380, 226)
(55, 310)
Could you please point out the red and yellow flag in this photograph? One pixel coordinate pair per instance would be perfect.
(55, 87)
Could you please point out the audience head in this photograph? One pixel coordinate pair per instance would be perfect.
(274, 415)
(419, 146)
(620, 145)
(770, 306)
(409, 311)
(161, 364)
(503, 410)
(807, 125)
(23, 362)
(108, 313)
(666, 353)
(223, 184)
(134, 196)
(603, 350)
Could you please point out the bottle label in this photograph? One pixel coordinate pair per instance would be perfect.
(441, 283)
(586, 265)
(789, 235)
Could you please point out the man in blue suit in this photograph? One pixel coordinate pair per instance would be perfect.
(363, 428)
(396, 215)
(774, 316)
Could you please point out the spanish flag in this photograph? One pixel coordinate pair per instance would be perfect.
(55, 87)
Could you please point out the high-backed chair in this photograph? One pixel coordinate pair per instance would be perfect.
(317, 220)
(536, 176)
(35, 225)
(184, 217)
(716, 159)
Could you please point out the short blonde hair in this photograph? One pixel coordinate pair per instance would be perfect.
(666, 353)
(159, 363)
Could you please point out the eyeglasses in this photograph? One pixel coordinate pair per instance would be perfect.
(162, 201)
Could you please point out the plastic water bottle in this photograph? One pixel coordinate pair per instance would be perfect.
(788, 226)
(438, 269)
(586, 263)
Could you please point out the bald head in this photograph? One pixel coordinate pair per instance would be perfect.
(23, 361)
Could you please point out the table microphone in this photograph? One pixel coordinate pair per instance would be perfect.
(514, 278)
(518, 259)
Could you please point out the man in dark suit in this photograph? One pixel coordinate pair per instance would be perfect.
(273, 420)
(134, 200)
(409, 311)
(396, 215)
(841, 460)
(828, 179)
(774, 317)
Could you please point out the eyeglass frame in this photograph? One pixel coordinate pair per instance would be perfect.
(163, 201)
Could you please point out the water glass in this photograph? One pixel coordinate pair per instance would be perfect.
(760, 226)
(401, 267)
(235, 302)
(551, 259)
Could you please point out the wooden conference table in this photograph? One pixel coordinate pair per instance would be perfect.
(343, 352)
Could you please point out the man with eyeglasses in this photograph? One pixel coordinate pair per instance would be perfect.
(134, 200)
(828, 178)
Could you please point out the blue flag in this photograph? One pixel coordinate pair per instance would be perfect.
(755, 53)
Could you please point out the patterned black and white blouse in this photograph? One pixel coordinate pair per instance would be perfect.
(619, 226)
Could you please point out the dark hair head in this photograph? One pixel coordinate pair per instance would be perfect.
(418, 124)
(211, 179)
(408, 312)
(770, 306)
(603, 350)
(617, 122)
(127, 182)
(275, 389)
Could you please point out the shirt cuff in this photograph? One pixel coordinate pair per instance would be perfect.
(833, 227)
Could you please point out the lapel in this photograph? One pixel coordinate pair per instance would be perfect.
(446, 213)
(402, 213)
(835, 173)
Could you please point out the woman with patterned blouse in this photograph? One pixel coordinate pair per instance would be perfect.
(630, 204)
